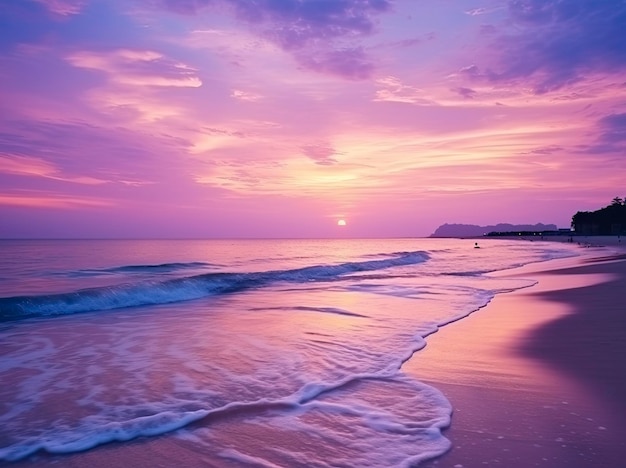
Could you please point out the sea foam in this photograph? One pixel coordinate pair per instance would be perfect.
(184, 289)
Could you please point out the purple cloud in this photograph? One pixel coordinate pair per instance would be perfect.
(613, 128)
(560, 42)
(186, 7)
(78, 149)
(322, 154)
(64, 7)
(611, 131)
(299, 25)
(294, 23)
(348, 63)
(137, 67)
(467, 93)
(546, 150)
(476, 11)
(403, 43)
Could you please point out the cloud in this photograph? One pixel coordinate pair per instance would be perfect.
(350, 63)
(245, 95)
(403, 44)
(84, 153)
(546, 150)
(137, 68)
(41, 199)
(393, 90)
(186, 7)
(320, 34)
(293, 23)
(466, 93)
(37, 167)
(64, 7)
(559, 42)
(614, 127)
(611, 135)
(321, 153)
(476, 11)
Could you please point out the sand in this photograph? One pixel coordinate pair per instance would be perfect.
(537, 378)
(583, 241)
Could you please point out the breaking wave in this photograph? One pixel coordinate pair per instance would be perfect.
(161, 268)
(184, 289)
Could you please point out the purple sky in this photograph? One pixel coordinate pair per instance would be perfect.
(277, 118)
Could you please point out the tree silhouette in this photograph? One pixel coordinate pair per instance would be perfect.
(606, 221)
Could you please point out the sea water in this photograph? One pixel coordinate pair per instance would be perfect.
(262, 352)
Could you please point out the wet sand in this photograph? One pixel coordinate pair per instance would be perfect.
(537, 377)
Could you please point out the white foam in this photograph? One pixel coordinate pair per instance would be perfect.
(232, 454)
(85, 438)
(332, 374)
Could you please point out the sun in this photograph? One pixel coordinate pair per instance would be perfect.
(341, 222)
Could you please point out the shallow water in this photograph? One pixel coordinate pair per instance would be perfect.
(298, 342)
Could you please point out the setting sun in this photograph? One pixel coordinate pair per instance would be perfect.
(341, 222)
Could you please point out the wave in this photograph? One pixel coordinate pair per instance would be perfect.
(184, 289)
(306, 398)
(324, 310)
(160, 268)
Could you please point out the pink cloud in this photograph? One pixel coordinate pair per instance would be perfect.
(137, 68)
(50, 200)
(64, 7)
(394, 114)
(37, 167)
(350, 63)
(321, 153)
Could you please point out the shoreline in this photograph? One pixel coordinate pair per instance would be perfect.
(535, 378)
(511, 408)
(579, 239)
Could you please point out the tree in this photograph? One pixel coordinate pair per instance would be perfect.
(606, 221)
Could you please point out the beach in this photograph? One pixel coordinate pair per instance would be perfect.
(536, 378)
(285, 371)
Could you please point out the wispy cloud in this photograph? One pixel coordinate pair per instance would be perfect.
(611, 135)
(467, 93)
(351, 63)
(372, 106)
(322, 153)
(137, 68)
(556, 43)
(320, 35)
(38, 199)
(81, 153)
(37, 167)
(393, 90)
(246, 95)
(64, 7)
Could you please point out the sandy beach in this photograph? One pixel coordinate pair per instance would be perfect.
(536, 378)
(583, 241)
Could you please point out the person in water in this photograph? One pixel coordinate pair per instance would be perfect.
(476, 246)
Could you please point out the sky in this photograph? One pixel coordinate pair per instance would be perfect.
(278, 118)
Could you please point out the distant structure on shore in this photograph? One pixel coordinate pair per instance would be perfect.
(472, 230)
(607, 221)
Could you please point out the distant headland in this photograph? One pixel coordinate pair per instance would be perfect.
(607, 221)
(472, 230)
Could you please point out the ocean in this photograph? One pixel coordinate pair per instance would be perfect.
(236, 352)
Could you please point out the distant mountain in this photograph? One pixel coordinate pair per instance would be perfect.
(472, 230)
